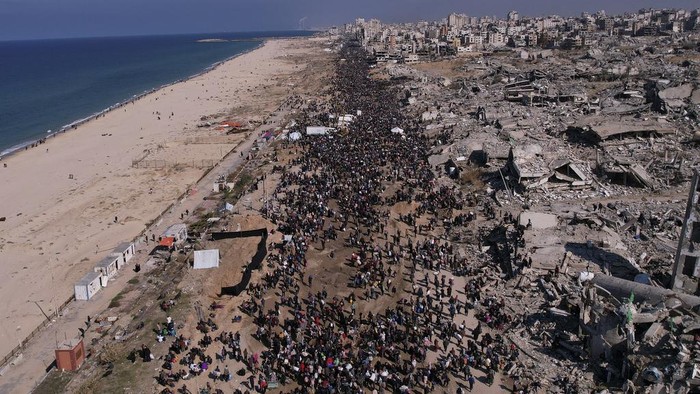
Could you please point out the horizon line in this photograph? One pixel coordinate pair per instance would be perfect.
(161, 35)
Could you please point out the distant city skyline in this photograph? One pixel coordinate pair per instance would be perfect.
(39, 19)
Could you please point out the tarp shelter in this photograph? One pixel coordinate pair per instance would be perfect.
(108, 266)
(318, 130)
(124, 252)
(88, 286)
(167, 242)
(295, 136)
(206, 259)
(397, 130)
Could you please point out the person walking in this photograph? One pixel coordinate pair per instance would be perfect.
(251, 381)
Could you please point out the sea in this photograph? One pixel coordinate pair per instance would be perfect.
(49, 85)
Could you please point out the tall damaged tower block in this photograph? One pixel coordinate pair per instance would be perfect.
(686, 268)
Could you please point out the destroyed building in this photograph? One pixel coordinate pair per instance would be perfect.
(580, 163)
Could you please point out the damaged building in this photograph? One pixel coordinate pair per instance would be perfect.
(575, 170)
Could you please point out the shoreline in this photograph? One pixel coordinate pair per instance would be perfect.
(54, 222)
(23, 146)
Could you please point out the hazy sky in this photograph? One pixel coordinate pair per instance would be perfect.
(27, 19)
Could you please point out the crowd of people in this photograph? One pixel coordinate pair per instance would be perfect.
(402, 323)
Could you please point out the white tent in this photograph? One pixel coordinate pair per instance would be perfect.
(206, 259)
(397, 130)
(294, 136)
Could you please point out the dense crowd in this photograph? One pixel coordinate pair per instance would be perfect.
(317, 341)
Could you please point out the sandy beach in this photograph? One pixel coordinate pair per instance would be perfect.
(70, 201)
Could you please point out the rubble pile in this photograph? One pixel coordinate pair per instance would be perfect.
(575, 170)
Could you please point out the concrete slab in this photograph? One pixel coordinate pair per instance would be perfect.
(538, 220)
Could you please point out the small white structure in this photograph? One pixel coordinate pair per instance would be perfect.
(206, 259)
(345, 120)
(124, 252)
(88, 286)
(108, 266)
(177, 231)
(318, 130)
(397, 130)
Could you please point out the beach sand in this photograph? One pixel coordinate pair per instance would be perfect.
(61, 198)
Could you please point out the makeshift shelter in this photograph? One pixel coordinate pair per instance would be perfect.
(124, 252)
(88, 286)
(108, 266)
(70, 355)
(397, 130)
(204, 259)
(177, 231)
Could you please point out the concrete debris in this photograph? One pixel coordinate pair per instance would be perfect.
(574, 175)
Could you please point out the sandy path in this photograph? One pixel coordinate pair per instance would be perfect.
(57, 228)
